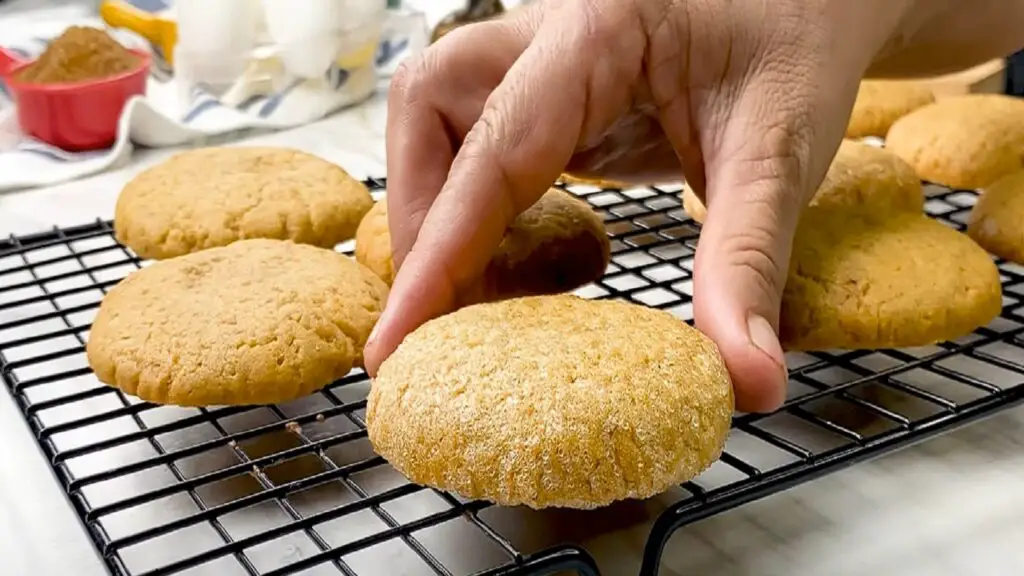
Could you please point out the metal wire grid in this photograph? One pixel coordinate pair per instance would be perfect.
(296, 488)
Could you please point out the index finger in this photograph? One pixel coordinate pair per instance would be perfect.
(525, 136)
(419, 153)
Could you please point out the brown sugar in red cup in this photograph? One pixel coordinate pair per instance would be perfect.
(73, 95)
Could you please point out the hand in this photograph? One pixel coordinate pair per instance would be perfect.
(747, 98)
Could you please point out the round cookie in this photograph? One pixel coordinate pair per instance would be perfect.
(863, 280)
(211, 197)
(859, 175)
(552, 401)
(256, 322)
(965, 142)
(881, 102)
(996, 222)
(556, 245)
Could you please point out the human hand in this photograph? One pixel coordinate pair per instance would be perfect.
(748, 98)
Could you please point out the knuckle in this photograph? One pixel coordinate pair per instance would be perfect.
(405, 223)
(488, 139)
(488, 135)
(485, 146)
(667, 61)
(776, 167)
(405, 76)
(415, 76)
(609, 46)
(600, 27)
(751, 250)
(786, 148)
(614, 38)
(499, 135)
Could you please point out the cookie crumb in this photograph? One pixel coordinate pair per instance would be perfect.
(294, 427)
(320, 418)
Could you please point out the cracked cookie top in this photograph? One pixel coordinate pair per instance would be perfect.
(210, 197)
(257, 322)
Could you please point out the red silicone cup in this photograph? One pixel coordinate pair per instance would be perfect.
(74, 116)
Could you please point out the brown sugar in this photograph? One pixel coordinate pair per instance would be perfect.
(81, 53)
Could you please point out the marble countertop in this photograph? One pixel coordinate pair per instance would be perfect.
(949, 506)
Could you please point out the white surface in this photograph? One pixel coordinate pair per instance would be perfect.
(951, 506)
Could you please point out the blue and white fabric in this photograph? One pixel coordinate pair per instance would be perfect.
(160, 120)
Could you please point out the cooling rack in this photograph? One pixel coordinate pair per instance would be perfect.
(296, 488)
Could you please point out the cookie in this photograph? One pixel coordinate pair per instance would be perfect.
(557, 245)
(692, 205)
(964, 142)
(552, 401)
(570, 179)
(373, 243)
(881, 102)
(211, 197)
(256, 322)
(863, 280)
(996, 222)
(859, 175)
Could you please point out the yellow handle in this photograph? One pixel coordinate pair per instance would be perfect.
(120, 15)
(358, 58)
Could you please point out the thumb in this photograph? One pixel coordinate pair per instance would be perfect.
(755, 193)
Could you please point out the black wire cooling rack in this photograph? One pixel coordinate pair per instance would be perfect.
(296, 488)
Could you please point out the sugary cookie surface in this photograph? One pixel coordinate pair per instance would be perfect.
(552, 401)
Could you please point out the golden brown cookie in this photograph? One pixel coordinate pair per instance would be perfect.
(692, 205)
(552, 401)
(965, 142)
(881, 102)
(997, 220)
(211, 197)
(567, 178)
(255, 322)
(557, 245)
(860, 175)
(373, 243)
(864, 280)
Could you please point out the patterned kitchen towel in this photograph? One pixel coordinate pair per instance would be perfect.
(160, 120)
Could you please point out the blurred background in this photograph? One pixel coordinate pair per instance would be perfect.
(1011, 77)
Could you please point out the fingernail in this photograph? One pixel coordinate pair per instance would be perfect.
(763, 336)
